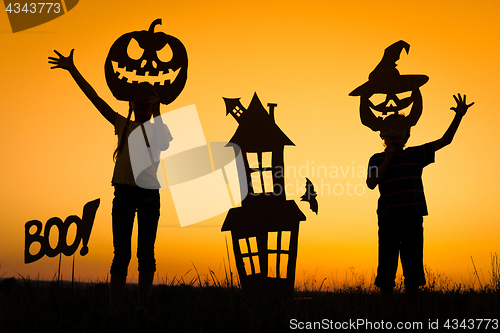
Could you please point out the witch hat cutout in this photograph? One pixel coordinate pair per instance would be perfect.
(400, 92)
(385, 77)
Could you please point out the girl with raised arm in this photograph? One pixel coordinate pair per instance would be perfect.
(129, 198)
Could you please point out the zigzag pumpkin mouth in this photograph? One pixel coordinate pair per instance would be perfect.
(132, 77)
(406, 111)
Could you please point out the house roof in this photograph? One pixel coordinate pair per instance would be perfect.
(267, 217)
(258, 131)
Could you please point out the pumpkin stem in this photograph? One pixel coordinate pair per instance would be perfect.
(155, 23)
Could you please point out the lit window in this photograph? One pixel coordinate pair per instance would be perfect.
(237, 111)
(285, 240)
(267, 177)
(253, 160)
(249, 252)
(271, 271)
(278, 245)
(248, 245)
(283, 265)
(243, 246)
(261, 174)
(272, 240)
(277, 269)
(253, 244)
(256, 182)
(249, 261)
(267, 159)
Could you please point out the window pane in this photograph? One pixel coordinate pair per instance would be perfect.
(243, 245)
(268, 181)
(283, 265)
(256, 182)
(272, 240)
(253, 162)
(271, 272)
(285, 240)
(248, 268)
(256, 263)
(253, 245)
(267, 159)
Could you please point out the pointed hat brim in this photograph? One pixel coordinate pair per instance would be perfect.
(396, 85)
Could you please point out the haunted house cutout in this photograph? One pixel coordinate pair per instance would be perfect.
(265, 228)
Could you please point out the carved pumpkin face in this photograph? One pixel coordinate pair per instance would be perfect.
(146, 56)
(388, 91)
(391, 102)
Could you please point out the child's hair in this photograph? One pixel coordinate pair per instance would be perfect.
(123, 136)
(395, 116)
(146, 89)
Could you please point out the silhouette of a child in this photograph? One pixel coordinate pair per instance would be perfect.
(129, 198)
(401, 206)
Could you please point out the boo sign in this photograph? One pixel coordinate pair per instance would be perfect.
(83, 229)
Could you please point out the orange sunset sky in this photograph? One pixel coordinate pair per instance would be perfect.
(306, 57)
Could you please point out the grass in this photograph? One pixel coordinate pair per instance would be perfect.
(207, 303)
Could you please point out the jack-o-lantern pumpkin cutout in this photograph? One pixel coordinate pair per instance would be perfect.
(146, 56)
(389, 92)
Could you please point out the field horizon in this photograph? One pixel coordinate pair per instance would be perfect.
(208, 303)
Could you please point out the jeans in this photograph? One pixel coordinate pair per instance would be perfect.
(401, 236)
(129, 199)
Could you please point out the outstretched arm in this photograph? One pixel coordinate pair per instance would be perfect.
(68, 64)
(460, 111)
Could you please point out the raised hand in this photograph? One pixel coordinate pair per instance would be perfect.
(462, 106)
(389, 152)
(154, 102)
(62, 62)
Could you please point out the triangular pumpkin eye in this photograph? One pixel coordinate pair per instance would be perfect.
(165, 54)
(377, 98)
(134, 51)
(403, 95)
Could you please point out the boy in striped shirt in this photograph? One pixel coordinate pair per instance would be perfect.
(401, 206)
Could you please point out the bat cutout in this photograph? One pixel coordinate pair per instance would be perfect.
(310, 196)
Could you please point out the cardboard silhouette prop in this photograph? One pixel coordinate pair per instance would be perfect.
(83, 230)
(310, 196)
(395, 93)
(146, 56)
(264, 230)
